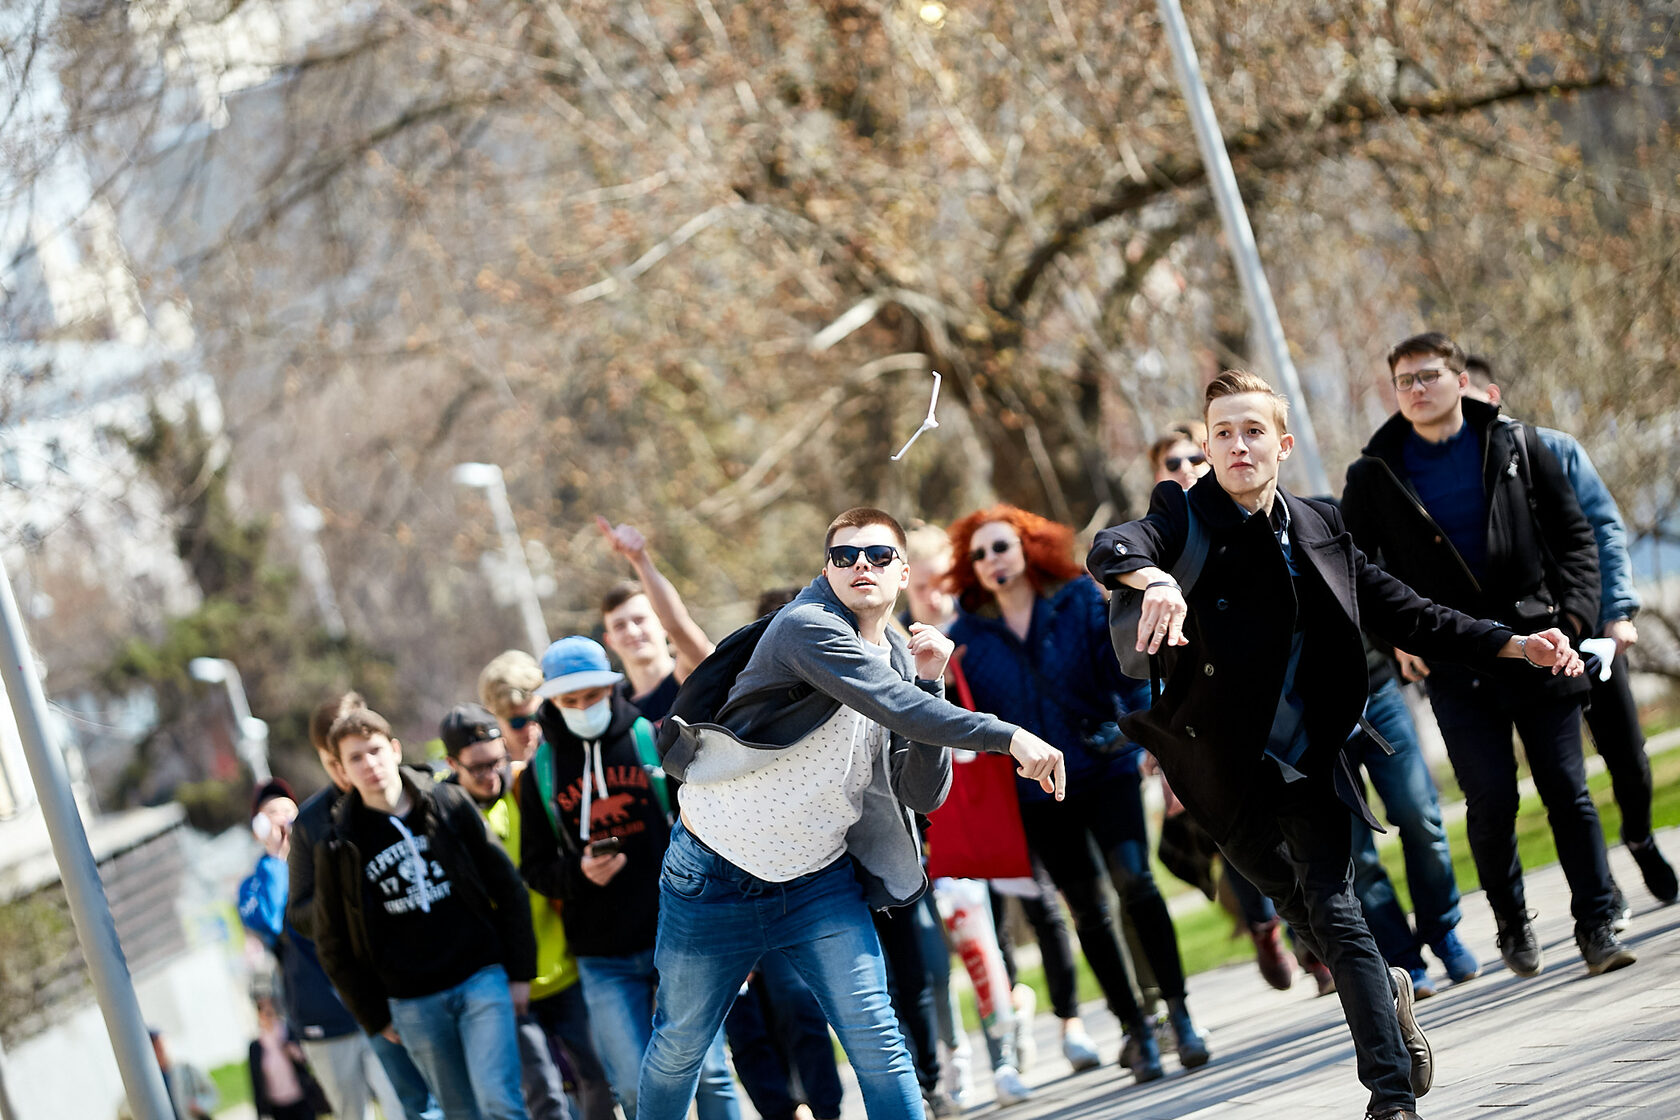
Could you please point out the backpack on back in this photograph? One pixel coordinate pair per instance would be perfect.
(705, 693)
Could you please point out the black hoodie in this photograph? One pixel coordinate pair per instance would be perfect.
(622, 917)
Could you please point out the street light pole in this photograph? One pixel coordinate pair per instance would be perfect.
(1257, 293)
(90, 911)
(251, 732)
(488, 477)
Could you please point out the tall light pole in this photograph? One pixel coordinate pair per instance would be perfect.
(251, 732)
(90, 910)
(1257, 293)
(488, 477)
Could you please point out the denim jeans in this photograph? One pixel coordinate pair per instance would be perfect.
(716, 922)
(620, 995)
(776, 1028)
(1413, 807)
(565, 1021)
(464, 1041)
(412, 1094)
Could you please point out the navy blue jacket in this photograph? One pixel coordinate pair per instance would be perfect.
(1068, 647)
(313, 1008)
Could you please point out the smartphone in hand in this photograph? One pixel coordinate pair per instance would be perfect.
(611, 846)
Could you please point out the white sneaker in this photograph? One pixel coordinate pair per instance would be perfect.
(957, 1074)
(1025, 1001)
(1006, 1080)
(1080, 1051)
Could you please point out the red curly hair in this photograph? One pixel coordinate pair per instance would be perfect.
(1048, 548)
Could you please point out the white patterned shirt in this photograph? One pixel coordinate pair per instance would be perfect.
(789, 817)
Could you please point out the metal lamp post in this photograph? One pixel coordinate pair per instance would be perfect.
(488, 477)
(1257, 293)
(252, 732)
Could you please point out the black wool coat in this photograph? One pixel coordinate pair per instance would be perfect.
(1209, 727)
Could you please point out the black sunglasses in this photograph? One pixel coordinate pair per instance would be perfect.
(520, 723)
(1172, 462)
(876, 555)
(998, 549)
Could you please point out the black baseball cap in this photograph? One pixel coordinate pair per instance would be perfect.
(465, 725)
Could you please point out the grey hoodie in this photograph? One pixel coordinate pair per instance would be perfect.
(809, 663)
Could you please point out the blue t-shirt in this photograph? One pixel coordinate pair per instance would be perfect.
(1448, 479)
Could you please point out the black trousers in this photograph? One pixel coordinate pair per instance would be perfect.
(912, 993)
(1613, 719)
(1294, 843)
(1108, 813)
(1044, 915)
(1476, 714)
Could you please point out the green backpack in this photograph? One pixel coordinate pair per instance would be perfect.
(542, 766)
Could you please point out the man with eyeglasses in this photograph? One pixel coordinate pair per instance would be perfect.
(508, 687)
(796, 817)
(1474, 512)
(480, 765)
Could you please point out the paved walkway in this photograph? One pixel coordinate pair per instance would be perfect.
(1563, 1045)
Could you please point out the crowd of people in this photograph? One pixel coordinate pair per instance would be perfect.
(628, 876)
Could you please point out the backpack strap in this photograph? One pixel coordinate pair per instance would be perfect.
(542, 769)
(648, 752)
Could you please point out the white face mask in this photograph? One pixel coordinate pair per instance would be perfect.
(590, 722)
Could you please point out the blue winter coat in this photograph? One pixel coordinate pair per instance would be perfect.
(1067, 649)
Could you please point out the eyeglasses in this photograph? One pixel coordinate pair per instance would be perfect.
(875, 555)
(520, 723)
(481, 770)
(1173, 462)
(998, 549)
(1426, 377)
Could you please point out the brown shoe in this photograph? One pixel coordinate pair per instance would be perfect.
(1275, 965)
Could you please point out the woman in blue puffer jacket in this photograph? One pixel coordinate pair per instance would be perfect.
(1033, 635)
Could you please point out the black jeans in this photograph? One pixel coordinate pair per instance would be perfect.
(1476, 714)
(1110, 813)
(912, 994)
(1294, 843)
(1613, 719)
(776, 1031)
(1044, 915)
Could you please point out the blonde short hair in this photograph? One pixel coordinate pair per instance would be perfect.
(508, 682)
(1235, 382)
(926, 542)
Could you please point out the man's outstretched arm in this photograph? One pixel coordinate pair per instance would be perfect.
(691, 643)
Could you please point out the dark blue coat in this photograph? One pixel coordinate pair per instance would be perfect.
(1067, 650)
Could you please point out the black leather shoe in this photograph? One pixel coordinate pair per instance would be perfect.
(1659, 875)
(1393, 1114)
(1518, 945)
(1417, 1046)
(1602, 951)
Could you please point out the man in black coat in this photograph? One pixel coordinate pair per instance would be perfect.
(1265, 687)
(1474, 511)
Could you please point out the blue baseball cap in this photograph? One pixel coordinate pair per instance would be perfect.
(574, 663)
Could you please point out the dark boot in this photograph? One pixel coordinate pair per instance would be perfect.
(1192, 1047)
(1140, 1054)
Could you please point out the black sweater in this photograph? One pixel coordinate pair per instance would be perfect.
(386, 926)
(622, 917)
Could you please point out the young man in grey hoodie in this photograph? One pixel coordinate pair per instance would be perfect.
(796, 818)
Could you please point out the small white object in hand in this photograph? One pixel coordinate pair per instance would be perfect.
(930, 422)
(1605, 650)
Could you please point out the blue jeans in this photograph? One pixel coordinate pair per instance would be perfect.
(465, 1044)
(417, 1102)
(1413, 807)
(716, 922)
(620, 992)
